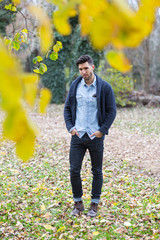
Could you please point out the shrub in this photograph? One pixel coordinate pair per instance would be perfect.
(122, 85)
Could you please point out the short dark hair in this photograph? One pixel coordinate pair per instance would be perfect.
(83, 59)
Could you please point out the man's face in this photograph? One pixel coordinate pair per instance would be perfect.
(86, 71)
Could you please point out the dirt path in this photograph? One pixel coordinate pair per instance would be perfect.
(143, 151)
(140, 149)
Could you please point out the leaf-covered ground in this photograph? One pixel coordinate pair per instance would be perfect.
(36, 197)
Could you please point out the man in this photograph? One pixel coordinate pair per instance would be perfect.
(89, 111)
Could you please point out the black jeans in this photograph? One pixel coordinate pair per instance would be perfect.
(77, 151)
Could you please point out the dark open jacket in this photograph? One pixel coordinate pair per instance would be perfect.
(105, 103)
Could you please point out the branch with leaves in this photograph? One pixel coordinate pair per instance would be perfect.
(18, 89)
(53, 54)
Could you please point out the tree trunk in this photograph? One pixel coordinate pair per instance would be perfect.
(147, 74)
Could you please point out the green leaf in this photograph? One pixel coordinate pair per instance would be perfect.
(54, 56)
(42, 68)
(34, 60)
(37, 59)
(8, 41)
(16, 45)
(16, 37)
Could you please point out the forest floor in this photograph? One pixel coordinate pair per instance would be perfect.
(134, 136)
(36, 197)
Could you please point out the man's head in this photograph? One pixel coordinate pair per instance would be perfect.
(83, 59)
(86, 67)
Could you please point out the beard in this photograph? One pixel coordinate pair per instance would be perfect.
(87, 77)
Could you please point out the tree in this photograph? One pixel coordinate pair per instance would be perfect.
(145, 60)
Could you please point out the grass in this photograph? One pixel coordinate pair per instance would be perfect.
(140, 119)
(36, 197)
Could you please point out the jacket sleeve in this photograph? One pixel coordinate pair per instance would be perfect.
(110, 110)
(68, 113)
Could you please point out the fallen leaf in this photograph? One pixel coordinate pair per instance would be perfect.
(120, 230)
(48, 227)
(43, 208)
(19, 225)
(95, 233)
(127, 224)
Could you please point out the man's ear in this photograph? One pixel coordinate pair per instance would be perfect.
(93, 67)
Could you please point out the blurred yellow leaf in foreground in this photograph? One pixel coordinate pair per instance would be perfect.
(45, 98)
(109, 22)
(64, 12)
(15, 87)
(44, 29)
(30, 82)
(16, 2)
(118, 60)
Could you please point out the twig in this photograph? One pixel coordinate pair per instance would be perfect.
(26, 24)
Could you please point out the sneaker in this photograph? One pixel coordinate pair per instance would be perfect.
(93, 210)
(78, 208)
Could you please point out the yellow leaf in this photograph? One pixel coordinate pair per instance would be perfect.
(57, 46)
(118, 60)
(24, 30)
(16, 126)
(30, 82)
(10, 84)
(61, 229)
(48, 227)
(36, 70)
(90, 11)
(139, 25)
(111, 26)
(16, 2)
(123, 6)
(22, 39)
(45, 99)
(45, 28)
(43, 208)
(3, 153)
(95, 233)
(62, 14)
(107, 22)
(99, 28)
(11, 7)
(25, 147)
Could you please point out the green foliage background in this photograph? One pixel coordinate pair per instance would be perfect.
(6, 17)
(122, 85)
